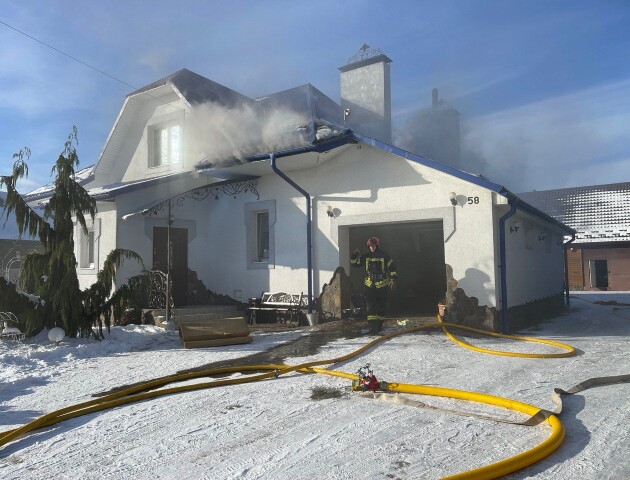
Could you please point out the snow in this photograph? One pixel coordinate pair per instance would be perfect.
(274, 430)
(80, 176)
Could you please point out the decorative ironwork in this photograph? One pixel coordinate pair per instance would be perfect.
(157, 289)
(364, 53)
(7, 331)
(11, 263)
(231, 189)
(282, 298)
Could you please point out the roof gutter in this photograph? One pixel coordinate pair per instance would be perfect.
(526, 207)
(309, 246)
(566, 268)
(503, 268)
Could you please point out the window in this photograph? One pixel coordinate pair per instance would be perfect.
(87, 249)
(166, 144)
(262, 236)
(260, 218)
(86, 246)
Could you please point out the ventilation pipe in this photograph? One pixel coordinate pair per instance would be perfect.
(503, 270)
(309, 246)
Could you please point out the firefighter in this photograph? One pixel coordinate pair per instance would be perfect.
(380, 277)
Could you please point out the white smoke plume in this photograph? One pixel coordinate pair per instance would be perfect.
(219, 134)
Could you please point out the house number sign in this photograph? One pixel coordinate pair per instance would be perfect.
(473, 200)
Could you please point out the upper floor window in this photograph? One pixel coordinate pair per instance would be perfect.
(167, 144)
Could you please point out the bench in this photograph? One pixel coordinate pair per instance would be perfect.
(277, 307)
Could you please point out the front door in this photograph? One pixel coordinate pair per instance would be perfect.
(599, 273)
(179, 260)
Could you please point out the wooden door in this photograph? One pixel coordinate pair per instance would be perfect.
(179, 260)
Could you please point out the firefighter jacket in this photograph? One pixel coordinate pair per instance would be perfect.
(379, 267)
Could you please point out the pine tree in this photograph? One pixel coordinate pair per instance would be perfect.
(52, 275)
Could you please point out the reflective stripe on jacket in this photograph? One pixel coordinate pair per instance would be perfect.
(379, 268)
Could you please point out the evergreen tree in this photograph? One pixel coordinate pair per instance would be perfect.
(52, 275)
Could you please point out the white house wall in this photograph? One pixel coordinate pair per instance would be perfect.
(535, 268)
(136, 231)
(365, 186)
(105, 241)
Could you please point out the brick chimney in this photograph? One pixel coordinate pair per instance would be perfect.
(366, 94)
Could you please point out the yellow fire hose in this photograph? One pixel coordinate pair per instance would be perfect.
(149, 390)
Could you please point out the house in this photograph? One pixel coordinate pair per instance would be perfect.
(599, 257)
(273, 193)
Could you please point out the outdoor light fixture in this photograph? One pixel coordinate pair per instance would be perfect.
(329, 211)
(514, 227)
(56, 335)
(453, 197)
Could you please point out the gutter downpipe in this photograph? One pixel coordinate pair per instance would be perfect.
(502, 266)
(309, 246)
(566, 269)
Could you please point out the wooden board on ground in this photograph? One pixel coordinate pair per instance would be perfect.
(215, 332)
(216, 342)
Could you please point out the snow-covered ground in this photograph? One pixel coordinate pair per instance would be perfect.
(275, 430)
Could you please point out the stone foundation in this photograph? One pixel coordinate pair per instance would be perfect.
(335, 297)
(532, 313)
(466, 310)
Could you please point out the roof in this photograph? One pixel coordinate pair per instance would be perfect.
(598, 213)
(197, 89)
(81, 176)
(295, 118)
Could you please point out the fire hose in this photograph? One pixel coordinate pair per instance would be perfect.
(147, 390)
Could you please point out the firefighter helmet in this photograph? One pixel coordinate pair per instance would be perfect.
(373, 241)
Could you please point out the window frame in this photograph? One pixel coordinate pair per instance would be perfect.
(153, 138)
(253, 211)
(83, 245)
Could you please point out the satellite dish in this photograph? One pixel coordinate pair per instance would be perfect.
(56, 335)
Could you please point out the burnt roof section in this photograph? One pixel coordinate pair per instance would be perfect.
(598, 213)
(197, 89)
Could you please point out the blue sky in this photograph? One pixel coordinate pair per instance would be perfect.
(543, 87)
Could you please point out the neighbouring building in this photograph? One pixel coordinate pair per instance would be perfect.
(273, 193)
(599, 257)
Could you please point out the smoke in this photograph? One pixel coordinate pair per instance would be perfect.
(437, 135)
(219, 134)
(570, 140)
(564, 141)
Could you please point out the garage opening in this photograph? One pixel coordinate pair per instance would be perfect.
(418, 249)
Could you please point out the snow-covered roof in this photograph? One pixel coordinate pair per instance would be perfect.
(197, 89)
(81, 176)
(598, 213)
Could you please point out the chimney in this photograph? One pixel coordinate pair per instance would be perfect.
(366, 94)
(434, 95)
